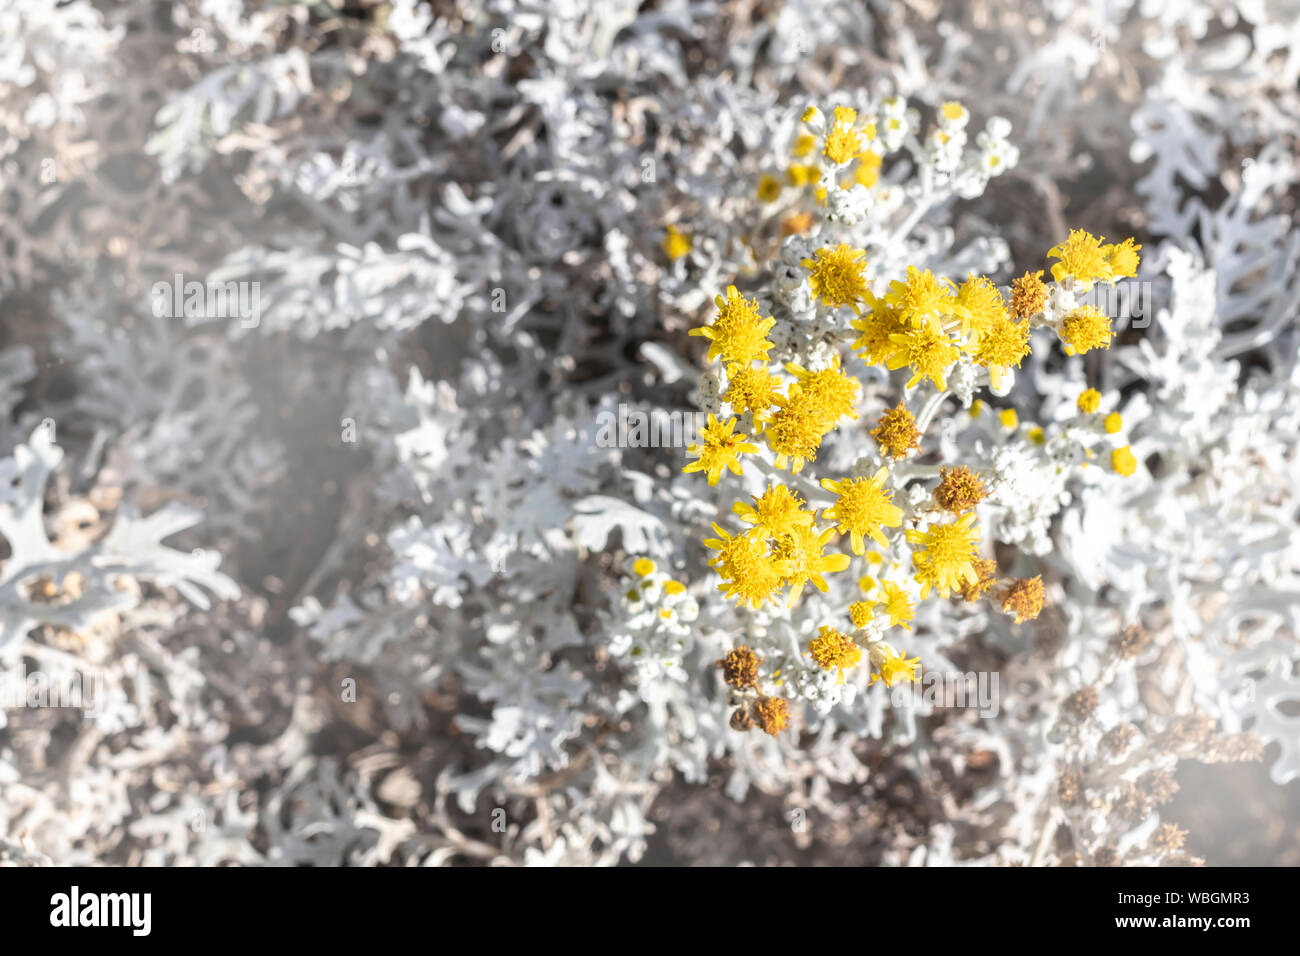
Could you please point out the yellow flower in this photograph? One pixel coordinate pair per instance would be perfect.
(877, 325)
(860, 613)
(921, 297)
(802, 548)
(1114, 422)
(769, 188)
(896, 432)
(1124, 461)
(834, 651)
(738, 334)
(928, 351)
(676, 244)
(721, 450)
(799, 175)
(835, 391)
(750, 573)
(1002, 345)
(1009, 418)
(894, 666)
(1085, 329)
(947, 554)
(1123, 259)
(844, 142)
(1089, 401)
(838, 275)
(804, 144)
(959, 489)
(867, 172)
(777, 511)
(1081, 256)
(864, 507)
(753, 389)
(898, 604)
(643, 567)
(795, 432)
(980, 305)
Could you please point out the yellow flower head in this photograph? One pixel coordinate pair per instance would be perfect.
(1009, 418)
(1081, 256)
(1085, 329)
(1114, 422)
(877, 325)
(845, 142)
(738, 334)
(1124, 461)
(867, 172)
(721, 450)
(834, 390)
(921, 297)
(894, 667)
(804, 144)
(947, 554)
(959, 489)
(980, 305)
(753, 389)
(772, 714)
(676, 244)
(750, 573)
(1089, 401)
(795, 432)
(864, 507)
(834, 651)
(898, 604)
(838, 275)
(802, 548)
(928, 351)
(1002, 345)
(777, 511)
(896, 432)
(643, 567)
(860, 613)
(1123, 259)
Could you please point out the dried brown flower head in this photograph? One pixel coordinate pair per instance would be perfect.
(896, 432)
(972, 591)
(740, 667)
(1117, 739)
(959, 490)
(1024, 599)
(1028, 294)
(1081, 705)
(772, 714)
(1131, 642)
(1069, 787)
(1168, 839)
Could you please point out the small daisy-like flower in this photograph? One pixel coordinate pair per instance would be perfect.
(867, 173)
(892, 666)
(740, 667)
(921, 297)
(845, 142)
(1113, 423)
(1089, 401)
(897, 604)
(1123, 259)
(832, 388)
(1037, 435)
(1124, 461)
(838, 275)
(952, 115)
(643, 567)
(834, 651)
(772, 714)
(795, 432)
(1024, 599)
(959, 489)
(721, 450)
(1002, 345)
(804, 144)
(864, 507)
(860, 613)
(1081, 256)
(1028, 295)
(802, 550)
(676, 243)
(947, 554)
(750, 574)
(1009, 418)
(738, 334)
(980, 305)
(753, 389)
(769, 188)
(928, 352)
(972, 591)
(1085, 329)
(874, 345)
(777, 511)
(896, 432)
(797, 174)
